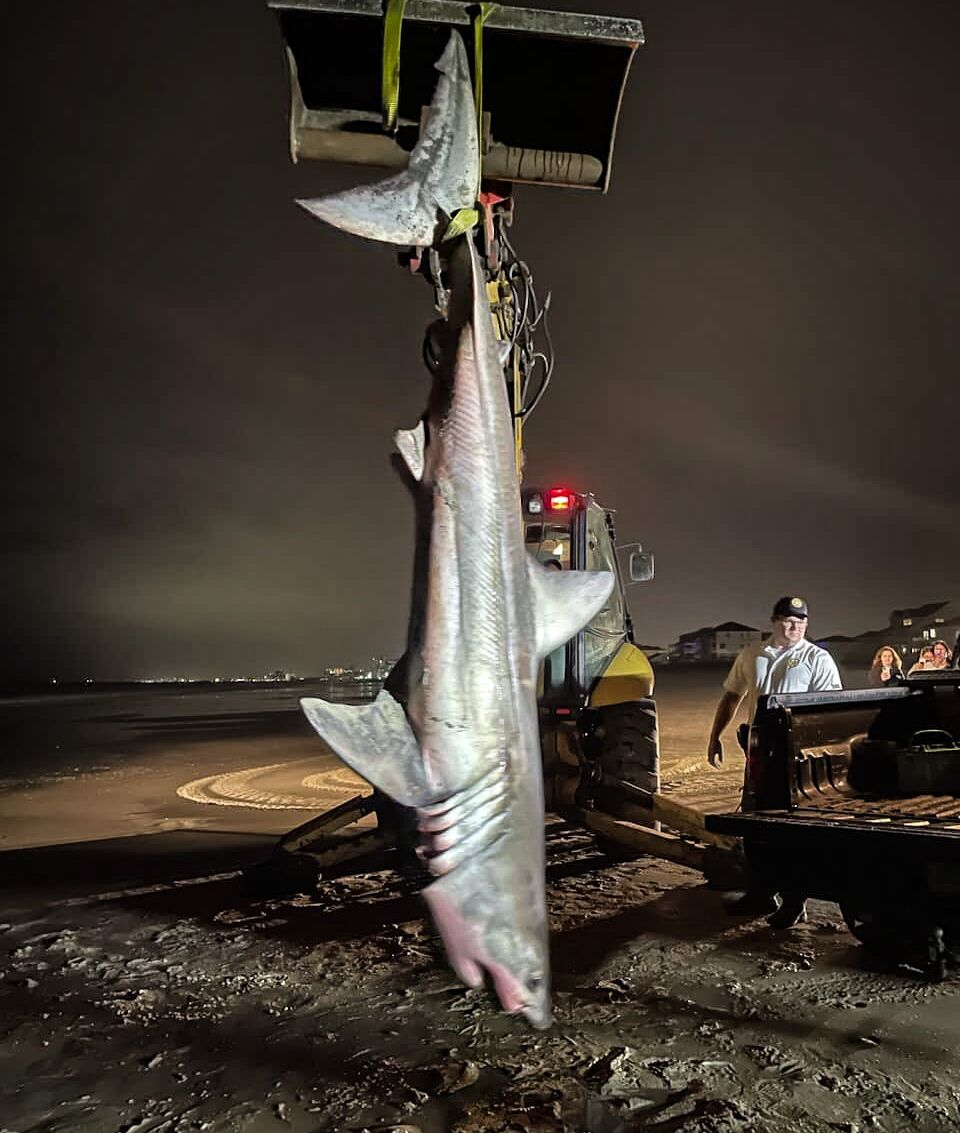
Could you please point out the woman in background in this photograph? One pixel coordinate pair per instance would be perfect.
(887, 668)
(925, 662)
(941, 655)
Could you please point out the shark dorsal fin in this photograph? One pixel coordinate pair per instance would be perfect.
(377, 742)
(564, 601)
(411, 444)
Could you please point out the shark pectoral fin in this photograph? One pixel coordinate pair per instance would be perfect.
(411, 444)
(564, 601)
(376, 741)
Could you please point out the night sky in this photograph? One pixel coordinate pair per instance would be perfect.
(756, 334)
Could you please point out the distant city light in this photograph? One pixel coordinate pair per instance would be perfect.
(375, 671)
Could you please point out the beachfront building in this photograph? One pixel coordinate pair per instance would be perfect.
(908, 631)
(937, 621)
(714, 643)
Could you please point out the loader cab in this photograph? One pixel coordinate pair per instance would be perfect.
(567, 530)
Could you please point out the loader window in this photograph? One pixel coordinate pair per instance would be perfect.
(604, 634)
(549, 543)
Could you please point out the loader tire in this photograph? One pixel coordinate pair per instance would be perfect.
(628, 743)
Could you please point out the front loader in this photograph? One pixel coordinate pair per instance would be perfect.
(598, 718)
(548, 89)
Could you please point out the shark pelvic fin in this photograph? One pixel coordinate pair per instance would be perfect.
(376, 741)
(411, 444)
(442, 174)
(564, 601)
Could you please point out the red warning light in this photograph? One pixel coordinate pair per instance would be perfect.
(559, 499)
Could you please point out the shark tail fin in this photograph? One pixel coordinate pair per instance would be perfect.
(376, 741)
(564, 601)
(414, 207)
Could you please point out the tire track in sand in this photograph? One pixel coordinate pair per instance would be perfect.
(240, 788)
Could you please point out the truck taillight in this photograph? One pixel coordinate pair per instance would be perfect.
(558, 499)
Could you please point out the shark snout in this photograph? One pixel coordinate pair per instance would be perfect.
(529, 996)
(538, 1015)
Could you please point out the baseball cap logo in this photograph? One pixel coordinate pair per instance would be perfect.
(789, 607)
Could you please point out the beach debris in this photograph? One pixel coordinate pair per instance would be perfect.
(458, 1076)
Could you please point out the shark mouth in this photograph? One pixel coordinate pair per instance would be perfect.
(469, 957)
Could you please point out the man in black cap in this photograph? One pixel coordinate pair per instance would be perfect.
(785, 662)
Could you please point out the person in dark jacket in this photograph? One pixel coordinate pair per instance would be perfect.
(887, 668)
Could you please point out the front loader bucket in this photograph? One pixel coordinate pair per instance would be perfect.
(552, 85)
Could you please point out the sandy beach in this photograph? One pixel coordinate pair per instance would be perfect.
(145, 992)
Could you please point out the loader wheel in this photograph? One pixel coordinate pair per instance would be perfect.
(628, 743)
(625, 744)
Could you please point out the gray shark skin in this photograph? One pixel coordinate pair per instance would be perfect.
(414, 207)
(466, 751)
(461, 740)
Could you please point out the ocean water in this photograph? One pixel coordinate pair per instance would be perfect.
(84, 729)
(63, 732)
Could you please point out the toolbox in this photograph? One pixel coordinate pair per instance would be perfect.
(930, 765)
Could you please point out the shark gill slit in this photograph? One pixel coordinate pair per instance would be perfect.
(466, 823)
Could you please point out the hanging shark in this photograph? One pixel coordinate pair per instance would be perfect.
(460, 742)
(465, 751)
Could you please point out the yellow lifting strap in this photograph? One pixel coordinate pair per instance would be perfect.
(392, 24)
(481, 17)
(462, 221)
(468, 218)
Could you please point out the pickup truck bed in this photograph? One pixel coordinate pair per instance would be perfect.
(831, 818)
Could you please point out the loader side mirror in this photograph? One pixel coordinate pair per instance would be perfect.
(640, 566)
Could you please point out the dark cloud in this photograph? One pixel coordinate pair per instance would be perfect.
(756, 337)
